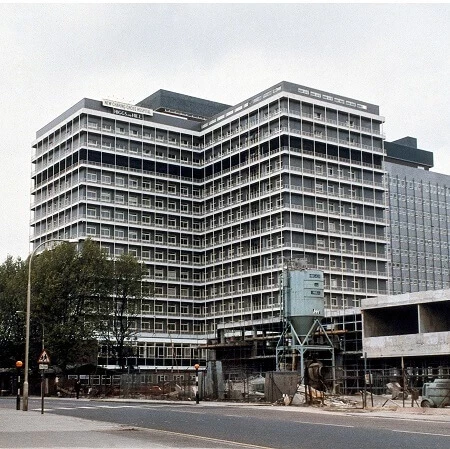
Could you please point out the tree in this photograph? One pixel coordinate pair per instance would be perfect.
(13, 282)
(121, 307)
(67, 286)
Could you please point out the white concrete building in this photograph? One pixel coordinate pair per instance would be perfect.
(214, 199)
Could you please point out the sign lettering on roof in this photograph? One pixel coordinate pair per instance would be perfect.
(127, 107)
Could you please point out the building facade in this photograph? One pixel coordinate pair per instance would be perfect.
(419, 216)
(215, 200)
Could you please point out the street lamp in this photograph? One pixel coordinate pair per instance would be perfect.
(27, 322)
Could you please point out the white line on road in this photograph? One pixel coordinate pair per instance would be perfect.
(423, 433)
(198, 437)
(323, 424)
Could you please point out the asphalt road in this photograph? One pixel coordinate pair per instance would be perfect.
(263, 427)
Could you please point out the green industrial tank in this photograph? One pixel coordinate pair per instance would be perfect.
(303, 298)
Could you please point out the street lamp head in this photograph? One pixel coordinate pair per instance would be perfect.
(196, 366)
(19, 364)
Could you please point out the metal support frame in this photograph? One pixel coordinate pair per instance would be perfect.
(301, 347)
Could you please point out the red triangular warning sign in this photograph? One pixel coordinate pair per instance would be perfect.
(44, 357)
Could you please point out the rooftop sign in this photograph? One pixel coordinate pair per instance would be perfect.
(128, 110)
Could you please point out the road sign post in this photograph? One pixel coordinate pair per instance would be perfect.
(44, 361)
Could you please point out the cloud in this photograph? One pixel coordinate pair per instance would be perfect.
(55, 54)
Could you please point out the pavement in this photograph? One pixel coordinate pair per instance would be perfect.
(19, 429)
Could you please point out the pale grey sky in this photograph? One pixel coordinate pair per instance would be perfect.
(51, 56)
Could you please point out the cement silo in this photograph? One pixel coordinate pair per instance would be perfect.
(303, 310)
(303, 298)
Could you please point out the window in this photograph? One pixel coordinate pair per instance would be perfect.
(119, 234)
(171, 309)
(106, 179)
(119, 216)
(120, 181)
(92, 177)
(320, 243)
(106, 232)
(106, 197)
(119, 199)
(133, 183)
(132, 218)
(133, 235)
(90, 230)
(91, 195)
(320, 225)
(91, 212)
(106, 214)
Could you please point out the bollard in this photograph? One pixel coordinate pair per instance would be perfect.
(19, 365)
(197, 395)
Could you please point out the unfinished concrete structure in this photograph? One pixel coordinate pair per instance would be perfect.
(412, 326)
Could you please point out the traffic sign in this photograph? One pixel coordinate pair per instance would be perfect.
(43, 366)
(44, 357)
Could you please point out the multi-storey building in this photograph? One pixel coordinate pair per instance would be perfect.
(215, 200)
(419, 215)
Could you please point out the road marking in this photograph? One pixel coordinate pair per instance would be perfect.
(423, 433)
(323, 424)
(217, 440)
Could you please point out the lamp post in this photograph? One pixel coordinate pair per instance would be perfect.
(27, 322)
(197, 395)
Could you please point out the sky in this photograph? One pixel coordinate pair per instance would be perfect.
(53, 55)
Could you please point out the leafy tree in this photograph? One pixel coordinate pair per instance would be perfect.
(77, 297)
(122, 307)
(13, 283)
(67, 286)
